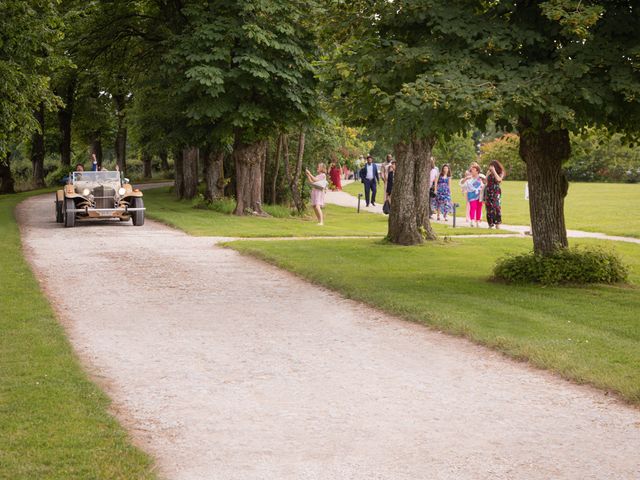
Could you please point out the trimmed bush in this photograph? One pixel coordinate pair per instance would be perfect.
(566, 266)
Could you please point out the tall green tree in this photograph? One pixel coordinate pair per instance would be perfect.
(392, 67)
(245, 74)
(556, 67)
(29, 29)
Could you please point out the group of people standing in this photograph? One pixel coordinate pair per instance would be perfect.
(478, 189)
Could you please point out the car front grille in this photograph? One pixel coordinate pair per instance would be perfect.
(104, 197)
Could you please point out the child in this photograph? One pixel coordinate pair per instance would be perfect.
(473, 187)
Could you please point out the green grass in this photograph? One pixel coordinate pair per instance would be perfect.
(593, 207)
(339, 221)
(589, 335)
(54, 423)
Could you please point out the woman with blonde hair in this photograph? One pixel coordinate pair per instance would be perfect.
(318, 189)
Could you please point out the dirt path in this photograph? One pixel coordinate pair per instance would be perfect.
(225, 368)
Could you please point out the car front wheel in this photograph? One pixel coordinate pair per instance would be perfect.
(137, 216)
(69, 217)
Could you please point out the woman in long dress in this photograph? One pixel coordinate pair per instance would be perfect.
(318, 189)
(335, 175)
(443, 192)
(493, 194)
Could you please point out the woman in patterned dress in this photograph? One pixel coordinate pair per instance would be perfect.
(493, 194)
(443, 192)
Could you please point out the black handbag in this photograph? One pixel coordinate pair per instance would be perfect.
(386, 207)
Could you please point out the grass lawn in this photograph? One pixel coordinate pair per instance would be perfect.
(594, 207)
(54, 423)
(587, 334)
(340, 221)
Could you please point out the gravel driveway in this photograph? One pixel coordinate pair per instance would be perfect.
(223, 367)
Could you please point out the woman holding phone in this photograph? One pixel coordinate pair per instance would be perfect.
(318, 188)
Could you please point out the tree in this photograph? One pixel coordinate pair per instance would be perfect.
(392, 67)
(458, 151)
(552, 68)
(28, 31)
(245, 74)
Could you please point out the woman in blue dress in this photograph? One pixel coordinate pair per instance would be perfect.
(443, 192)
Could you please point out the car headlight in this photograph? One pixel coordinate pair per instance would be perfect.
(121, 191)
(86, 192)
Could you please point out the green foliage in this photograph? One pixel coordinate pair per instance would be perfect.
(28, 31)
(330, 139)
(398, 71)
(565, 266)
(505, 149)
(458, 151)
(599, 156)
(596, 156)
(244, 67)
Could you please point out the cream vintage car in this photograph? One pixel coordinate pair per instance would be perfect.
(98, 195)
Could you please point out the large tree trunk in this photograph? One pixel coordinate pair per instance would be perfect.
(294, 177)
(213, 175)
(146, 164)
(422, 155)
(65, 115)
(6, 179)
(37, 149)
(409, 217)
(178, 157)
(249, 160)
(121, 132)
(276, 168)
(190, 173)
(164, 160)
(544, 150)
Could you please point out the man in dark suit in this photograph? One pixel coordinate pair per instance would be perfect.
(370, 178)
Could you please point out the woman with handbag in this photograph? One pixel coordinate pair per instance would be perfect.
(318, 188)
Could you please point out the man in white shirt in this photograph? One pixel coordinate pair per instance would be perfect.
(370, 177)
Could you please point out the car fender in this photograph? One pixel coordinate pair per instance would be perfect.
(73, 195)
(133, 193)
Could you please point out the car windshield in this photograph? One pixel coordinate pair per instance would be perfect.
(96, 177)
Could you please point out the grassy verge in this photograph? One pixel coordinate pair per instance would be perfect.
(593, 207)
(340, 221)
(589, 335)
(54, 422)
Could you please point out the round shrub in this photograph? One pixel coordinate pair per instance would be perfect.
(577, 265)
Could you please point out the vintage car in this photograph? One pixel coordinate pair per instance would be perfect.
(98, 195)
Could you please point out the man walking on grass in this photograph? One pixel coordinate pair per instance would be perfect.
(370, 178)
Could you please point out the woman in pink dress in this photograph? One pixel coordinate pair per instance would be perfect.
(318, 189)
(334, 174)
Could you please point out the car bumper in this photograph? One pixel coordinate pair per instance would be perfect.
(105, 212)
